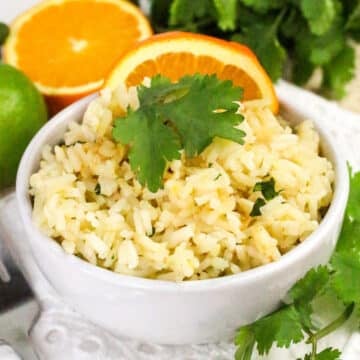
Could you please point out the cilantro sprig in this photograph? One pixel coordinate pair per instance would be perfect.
(185, 115)
(310, 33)
(338, 282)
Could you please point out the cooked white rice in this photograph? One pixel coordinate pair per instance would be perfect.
(198, 226)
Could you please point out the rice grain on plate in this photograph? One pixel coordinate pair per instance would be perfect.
(198, 226)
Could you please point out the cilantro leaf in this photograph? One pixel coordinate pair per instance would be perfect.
(349, 239)
(306, 289)
(320, 50)
(246, 17)
(227, 14)
(152, 144)
(267, 189)
(185, 115)
(256, 210)
(353, 22)
(282, 328)
(263, 6)
(353, 205)
(327, 354)
(339, 71)
(345, 280)
(319, 14)
(197, 122)
(262, 39)
(162, 90)
(302, 71)
(312, 284)
(345, 262)
(292, 23)
(183, 12)
(159, 14)
(245, 341)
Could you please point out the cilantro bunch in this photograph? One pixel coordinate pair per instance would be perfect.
(291, 37)
(338, 283)
(186, 115)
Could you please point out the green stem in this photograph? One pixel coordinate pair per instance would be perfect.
(313, 349)
(278, 20)
(333, 325)
(315, 337)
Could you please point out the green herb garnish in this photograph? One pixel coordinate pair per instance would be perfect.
(310, 33)
(186, 115)
(267, 189)
(256, 210)
(338, 283)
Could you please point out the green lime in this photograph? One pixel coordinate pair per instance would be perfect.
(22, 113)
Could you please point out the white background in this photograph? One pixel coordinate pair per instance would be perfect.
(9, 9)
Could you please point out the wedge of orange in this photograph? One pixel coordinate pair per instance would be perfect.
(176, 54)
(67, 47)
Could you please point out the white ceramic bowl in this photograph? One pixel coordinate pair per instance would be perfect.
(176, 313)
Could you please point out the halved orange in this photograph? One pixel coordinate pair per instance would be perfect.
(68, 47)
(176, 54)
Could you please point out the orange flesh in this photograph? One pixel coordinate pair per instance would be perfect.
(187, 64)
(58, 38)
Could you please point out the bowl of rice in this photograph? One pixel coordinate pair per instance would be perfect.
(198, 258)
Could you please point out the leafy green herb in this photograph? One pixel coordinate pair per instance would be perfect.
(256, 210)
(267, 189)
(183, 13)
(327, 354)
(338, 72)
(4, 32)
(320, 14)
(353, 22)
(338, 282)
(262, 37)
(227, 14)
(263, 6)
(245, 340)
(217, 176)
(345, 280)
(304, 292)
(169, 120)
(97, 189)
(291, 37)
(282, 328)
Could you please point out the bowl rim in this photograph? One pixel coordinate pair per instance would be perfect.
(301, 251)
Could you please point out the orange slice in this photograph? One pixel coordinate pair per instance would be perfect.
(67, 47)
(176, 54)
